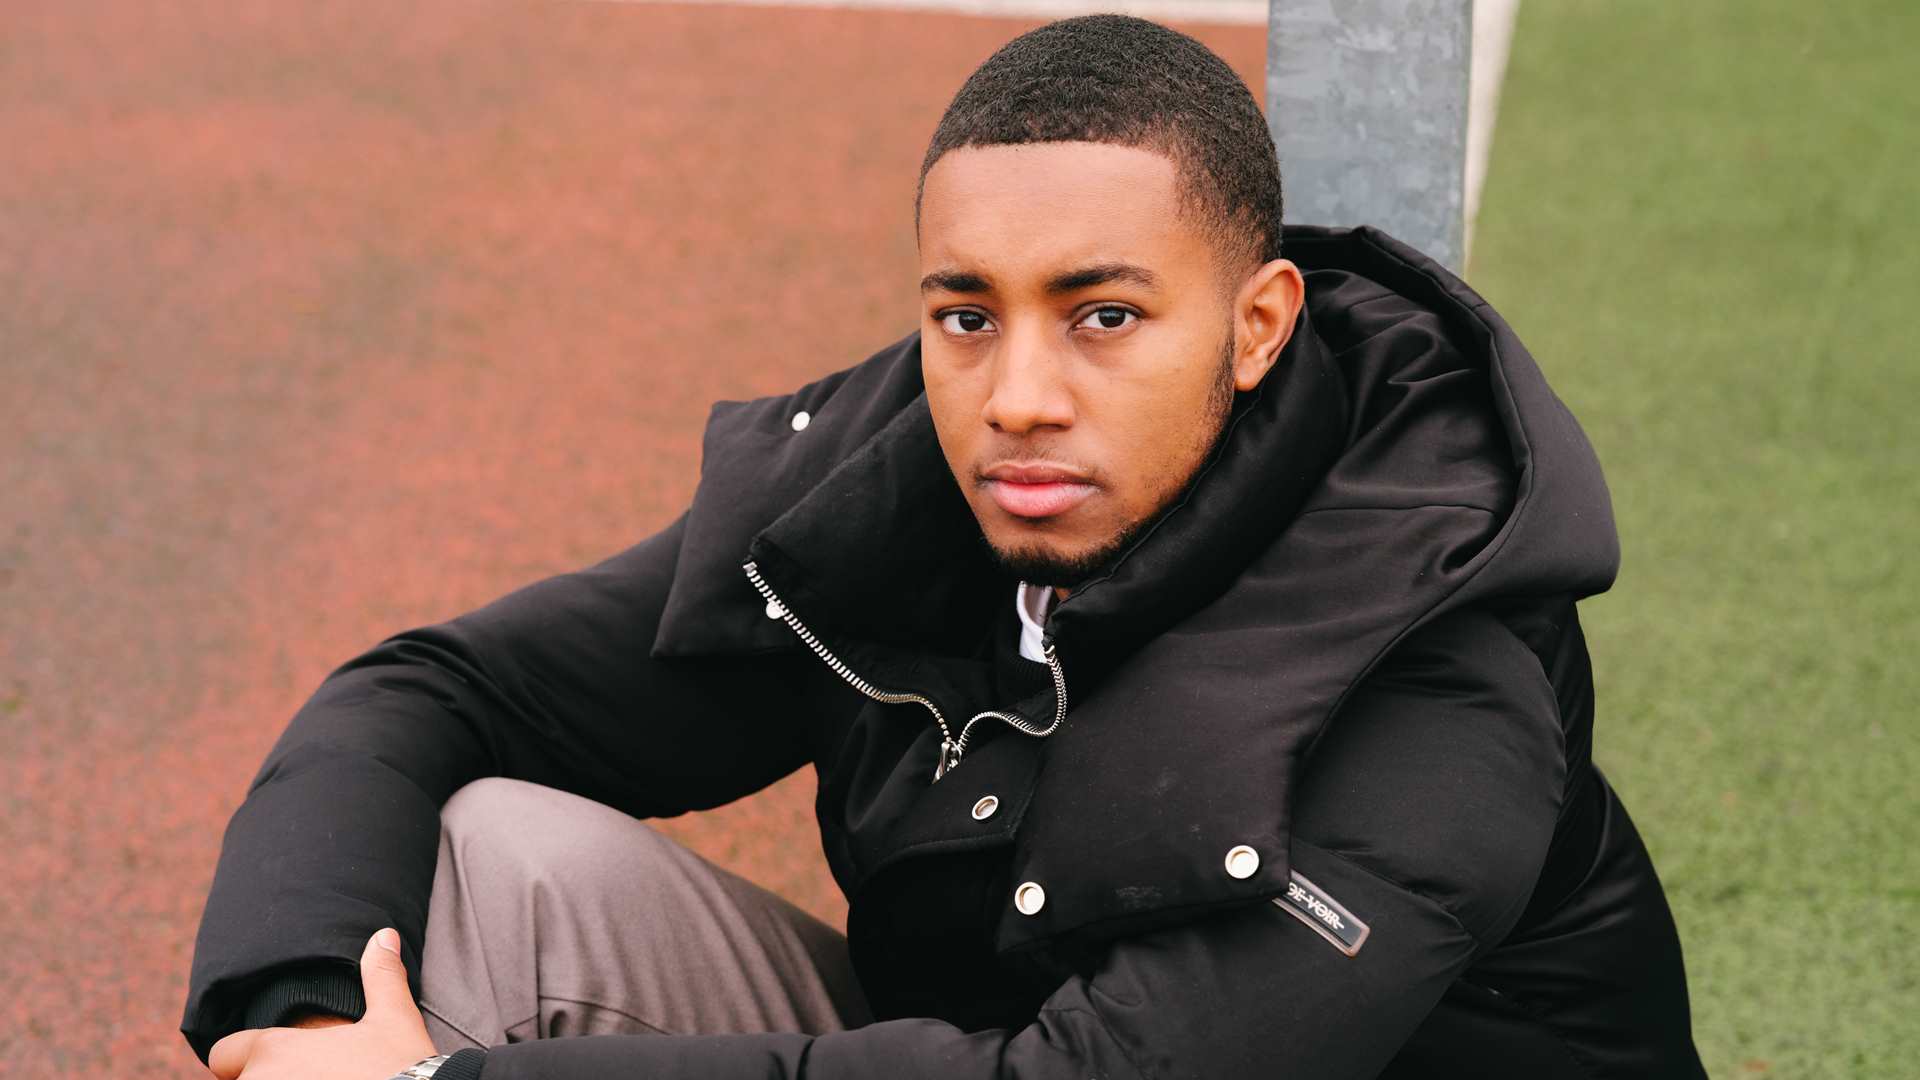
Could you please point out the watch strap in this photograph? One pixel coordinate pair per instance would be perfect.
(422, 1069)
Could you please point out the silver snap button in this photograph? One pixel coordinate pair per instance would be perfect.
(1242, 862)
(984, 809)
(1029, 898)
(801, 419)
(775, 611)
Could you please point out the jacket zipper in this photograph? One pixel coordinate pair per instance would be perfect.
(951, 749)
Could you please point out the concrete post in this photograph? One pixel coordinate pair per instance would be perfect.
(1367, 101)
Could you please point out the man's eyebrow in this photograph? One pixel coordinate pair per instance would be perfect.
(963, 281)
(1102, 274)
(959, 281)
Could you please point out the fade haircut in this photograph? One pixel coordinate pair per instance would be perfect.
(1124, 80)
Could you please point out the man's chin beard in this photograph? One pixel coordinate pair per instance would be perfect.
(1037, 564)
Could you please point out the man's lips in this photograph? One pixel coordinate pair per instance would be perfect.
(1036, 491)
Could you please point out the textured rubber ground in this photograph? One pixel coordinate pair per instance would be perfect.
(322, 321)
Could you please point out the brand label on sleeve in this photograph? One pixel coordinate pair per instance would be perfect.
(1307, 902)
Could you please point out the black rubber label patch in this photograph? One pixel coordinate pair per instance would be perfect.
(1305, 901)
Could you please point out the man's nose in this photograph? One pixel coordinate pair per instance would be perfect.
(1029, 389)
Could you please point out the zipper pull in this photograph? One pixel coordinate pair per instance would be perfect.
(949, 757)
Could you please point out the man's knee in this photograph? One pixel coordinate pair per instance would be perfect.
(491, 802)
(539, 832)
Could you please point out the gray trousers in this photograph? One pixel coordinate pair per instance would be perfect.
(553, 915)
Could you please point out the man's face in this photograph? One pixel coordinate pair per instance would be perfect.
(1077, 344)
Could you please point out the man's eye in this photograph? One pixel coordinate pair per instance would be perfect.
(1107, 318)
(963, 322)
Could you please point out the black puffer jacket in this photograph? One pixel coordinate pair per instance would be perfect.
(1349, 655)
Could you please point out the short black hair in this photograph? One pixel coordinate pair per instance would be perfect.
(1125, 80)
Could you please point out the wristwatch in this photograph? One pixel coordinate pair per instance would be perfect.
(423, 1069)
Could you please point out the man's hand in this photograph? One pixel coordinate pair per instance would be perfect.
(390, 1037)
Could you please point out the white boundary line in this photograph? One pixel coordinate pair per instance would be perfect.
(1492, 40)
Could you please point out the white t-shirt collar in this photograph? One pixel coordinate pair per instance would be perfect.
(1033, 602)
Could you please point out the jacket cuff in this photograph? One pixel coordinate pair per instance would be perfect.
(463, 1065)
(329, 990)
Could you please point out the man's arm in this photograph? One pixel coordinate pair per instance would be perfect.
(553, 684)
(1426, 814)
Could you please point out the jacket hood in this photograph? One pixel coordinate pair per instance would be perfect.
(1403, 459)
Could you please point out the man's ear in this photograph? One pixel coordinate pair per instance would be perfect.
(1264, 313)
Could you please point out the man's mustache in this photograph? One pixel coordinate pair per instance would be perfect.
(1031, 463)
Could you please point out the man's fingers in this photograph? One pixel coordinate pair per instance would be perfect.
(230, 1054)
(383, 977)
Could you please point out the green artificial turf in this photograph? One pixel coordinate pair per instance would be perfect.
(1701, 217)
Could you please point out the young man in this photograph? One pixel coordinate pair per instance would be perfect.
(1181, 623)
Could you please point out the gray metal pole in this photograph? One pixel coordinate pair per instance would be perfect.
(1367, 101)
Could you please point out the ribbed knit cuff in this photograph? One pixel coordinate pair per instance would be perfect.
(332, 990)
(463, 1065)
